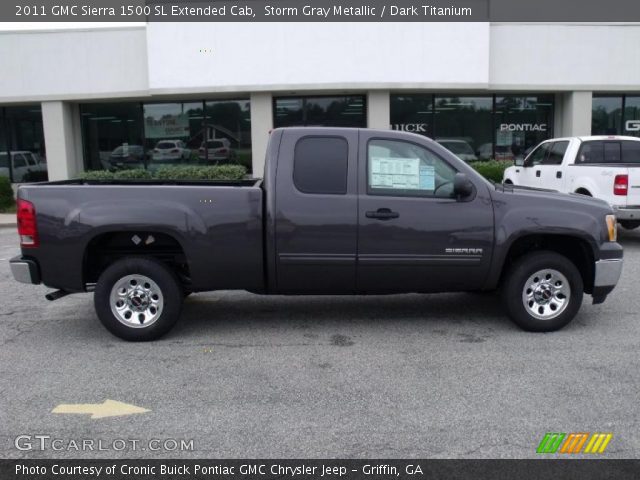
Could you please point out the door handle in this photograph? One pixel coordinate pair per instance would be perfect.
(382, 214)
(537, 173)
(558, 174)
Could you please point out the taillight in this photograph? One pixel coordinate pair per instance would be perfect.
(175, 150)
(621, 185)
(27, 226)
(223, 151)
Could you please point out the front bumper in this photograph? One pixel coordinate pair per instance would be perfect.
(25, 270)
(627, 213)
(607, 271)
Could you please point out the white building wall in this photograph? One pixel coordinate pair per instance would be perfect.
(565, 57)
(78, 64)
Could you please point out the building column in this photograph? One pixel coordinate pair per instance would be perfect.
(379, 109)
(573, 114)
(261, 125)
(62, 140)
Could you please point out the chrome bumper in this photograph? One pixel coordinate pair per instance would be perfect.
(608, 272)
(624, 213)
(24, 271)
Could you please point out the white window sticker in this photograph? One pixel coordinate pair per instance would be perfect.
(427, 177)
(392, 172)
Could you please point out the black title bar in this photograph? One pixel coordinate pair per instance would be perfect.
(625, 11)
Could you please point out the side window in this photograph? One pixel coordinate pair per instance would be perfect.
(556, 154)
(612, 152)
(400, 168)
(591, 152)
(320, 165)
(538, 155)
(19, 161)
(631, 152)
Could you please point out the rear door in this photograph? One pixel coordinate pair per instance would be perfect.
(316, 211)
(413, 235)
(631, 158)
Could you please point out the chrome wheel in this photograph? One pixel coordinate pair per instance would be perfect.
(546, 294)
(136, 301)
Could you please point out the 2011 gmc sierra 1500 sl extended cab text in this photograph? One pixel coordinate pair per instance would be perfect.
(339, 211)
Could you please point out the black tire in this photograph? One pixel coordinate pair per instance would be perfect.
(630, 224)
(170, 294)
(516, 281)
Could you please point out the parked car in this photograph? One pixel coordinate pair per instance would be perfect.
(340, 211)
(460, 148)
(127, 156)
(27, 166)
(170, 151)
(605, 167)
(502, 152)
(217, 151)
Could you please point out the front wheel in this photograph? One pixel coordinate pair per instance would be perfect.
(138, 299)
(629, 224)
(542, 292)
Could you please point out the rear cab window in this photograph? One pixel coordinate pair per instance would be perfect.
(320, 165)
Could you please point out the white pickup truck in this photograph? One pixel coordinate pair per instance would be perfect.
(605, 167)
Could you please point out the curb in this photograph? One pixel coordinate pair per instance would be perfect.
(8, 225)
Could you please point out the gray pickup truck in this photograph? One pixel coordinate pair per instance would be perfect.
(339, 211)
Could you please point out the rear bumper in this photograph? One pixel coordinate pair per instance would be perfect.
(25, 270)
(627, 213)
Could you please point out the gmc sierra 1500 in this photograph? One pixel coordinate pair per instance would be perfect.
(340, 211)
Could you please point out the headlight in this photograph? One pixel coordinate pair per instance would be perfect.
(612, 227)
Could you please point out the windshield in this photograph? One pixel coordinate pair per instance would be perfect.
(215, 145)
(166, 145)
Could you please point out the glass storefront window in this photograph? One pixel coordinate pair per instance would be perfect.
(412, 113)
(607, 115)
(632, 116)
(521, 122)
(134, 135)
(463, 126)
(22, 148)
(477, 127)
(227, 132)
(336, 111)
(112, 136)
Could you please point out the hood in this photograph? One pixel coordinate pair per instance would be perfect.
(553, 195)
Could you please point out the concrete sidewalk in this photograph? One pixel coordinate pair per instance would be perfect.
(7, 220)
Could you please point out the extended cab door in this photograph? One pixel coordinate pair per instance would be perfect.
(412, 234)
(316, 211)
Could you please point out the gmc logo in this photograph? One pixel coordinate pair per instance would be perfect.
(632, 126)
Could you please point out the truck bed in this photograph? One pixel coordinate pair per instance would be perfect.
(215, 225)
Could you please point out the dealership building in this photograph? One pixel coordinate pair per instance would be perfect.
(103, 96)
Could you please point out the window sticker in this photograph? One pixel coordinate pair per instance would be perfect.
(427, 177)
(393, 172)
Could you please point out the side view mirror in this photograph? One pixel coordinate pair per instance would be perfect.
(519, 162)
(462, 186)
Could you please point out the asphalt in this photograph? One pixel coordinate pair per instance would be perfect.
(406, 376)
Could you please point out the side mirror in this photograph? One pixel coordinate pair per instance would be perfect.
(519, 162)
(462, 186)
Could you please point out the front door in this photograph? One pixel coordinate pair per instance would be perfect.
(551, 174)
(412, 234)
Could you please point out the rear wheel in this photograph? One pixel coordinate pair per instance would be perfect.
(629, 224)
(138, 299)
(542, 291)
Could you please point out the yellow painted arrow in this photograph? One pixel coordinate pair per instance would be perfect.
(108, 408)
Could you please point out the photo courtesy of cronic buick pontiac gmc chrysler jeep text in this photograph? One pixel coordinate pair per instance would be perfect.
(339, 211)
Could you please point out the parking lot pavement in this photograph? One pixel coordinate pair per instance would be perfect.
(250, 376)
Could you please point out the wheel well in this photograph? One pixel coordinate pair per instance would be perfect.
(575, 249)
(106, 248)
(584, 191)
(508, 182)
